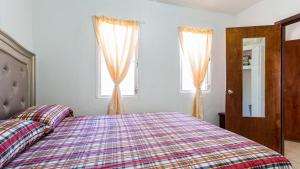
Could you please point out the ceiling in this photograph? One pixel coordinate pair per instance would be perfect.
(225, 6)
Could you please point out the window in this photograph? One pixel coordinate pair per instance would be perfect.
(186, 78)
(118, 36)
(128, 86)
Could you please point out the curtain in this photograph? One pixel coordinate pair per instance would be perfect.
(118, 42)
(195, 45)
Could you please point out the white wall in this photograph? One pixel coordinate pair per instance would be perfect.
(267, 12)
(293, 31)
(16, 20)
(64, 42)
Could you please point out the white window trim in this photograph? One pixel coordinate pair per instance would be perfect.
(208, 80)
(98, 77)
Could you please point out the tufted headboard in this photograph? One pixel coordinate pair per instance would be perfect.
(17, 77)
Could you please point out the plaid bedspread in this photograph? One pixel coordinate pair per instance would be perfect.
(146, 140)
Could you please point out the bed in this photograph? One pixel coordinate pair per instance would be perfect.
(136, 140)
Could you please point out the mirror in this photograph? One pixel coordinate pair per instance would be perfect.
(253, 77)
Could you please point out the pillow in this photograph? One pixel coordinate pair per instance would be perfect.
(16, 135)
(51, 115)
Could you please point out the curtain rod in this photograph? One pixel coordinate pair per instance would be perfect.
(140, 22)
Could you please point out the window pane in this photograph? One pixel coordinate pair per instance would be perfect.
(192, 42)
(106, 85)
(127, 86)
(186, 76)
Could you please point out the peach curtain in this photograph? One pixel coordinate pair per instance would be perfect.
(195, 45)
(118, 41)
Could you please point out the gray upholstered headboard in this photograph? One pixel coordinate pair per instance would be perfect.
(17, 77)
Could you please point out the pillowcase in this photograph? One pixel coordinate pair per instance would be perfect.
(16, 135)
(51, 115)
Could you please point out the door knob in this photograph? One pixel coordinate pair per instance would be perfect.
(229, 91)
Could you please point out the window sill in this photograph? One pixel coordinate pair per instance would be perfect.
(109, 96)
(193, 91)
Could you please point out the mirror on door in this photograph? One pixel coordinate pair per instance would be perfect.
(253, 77)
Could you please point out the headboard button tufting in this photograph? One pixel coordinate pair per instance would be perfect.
(5, 68)
(23, 72)
(14, 84)
(23, 104)
(5, 103)
(15, 88)
(6, 107)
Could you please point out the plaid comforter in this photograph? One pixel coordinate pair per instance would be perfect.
(146, 140)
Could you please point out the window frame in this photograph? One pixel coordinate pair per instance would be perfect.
(98, 74)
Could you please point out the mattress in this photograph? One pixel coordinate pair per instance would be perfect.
(145, 140)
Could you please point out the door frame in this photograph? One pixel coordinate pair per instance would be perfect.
(283, 24)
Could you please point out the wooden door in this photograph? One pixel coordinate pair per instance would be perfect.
(264, 130)
(292, 90)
